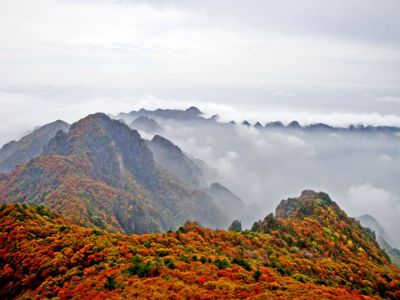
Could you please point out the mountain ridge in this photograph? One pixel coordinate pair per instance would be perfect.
(29, 146)
(106, 170)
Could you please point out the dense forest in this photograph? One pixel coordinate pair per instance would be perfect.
(310, 249)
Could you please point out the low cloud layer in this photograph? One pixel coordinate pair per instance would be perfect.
(359, 171)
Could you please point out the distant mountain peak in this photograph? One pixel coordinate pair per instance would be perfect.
(194, 110)
(29, 146)
(276, 124)
(294, 124)
(146, 124)
(258, 125)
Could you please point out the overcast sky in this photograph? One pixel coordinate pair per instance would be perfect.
(332, 61)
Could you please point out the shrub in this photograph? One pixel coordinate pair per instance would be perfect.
(110, 283)
(241, 262)
(139, 268)
(221, 264)
(256, 275)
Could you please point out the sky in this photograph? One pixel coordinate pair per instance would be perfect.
(314, 61)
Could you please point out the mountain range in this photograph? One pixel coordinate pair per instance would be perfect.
(102, 173)
(94, 209)
(147, 120)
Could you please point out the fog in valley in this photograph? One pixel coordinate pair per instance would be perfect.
(359, 170)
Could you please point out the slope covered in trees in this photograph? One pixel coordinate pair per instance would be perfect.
(101, 173)
(301, 256)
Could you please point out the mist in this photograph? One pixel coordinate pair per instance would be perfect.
(263, 166)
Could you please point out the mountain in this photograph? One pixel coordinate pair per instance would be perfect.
(230, 203)
(29, 146)
(321, 127)
(178, 163)
(313, 251)
(315, 226)
(294, 125)
(191, 113)
(382, 237)
(102, 174)
(194, 174)
(146, 124)
(194, 114)
(276, 124)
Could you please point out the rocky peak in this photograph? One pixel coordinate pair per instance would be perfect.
(306, 205)
(111, 146)
(194, 110)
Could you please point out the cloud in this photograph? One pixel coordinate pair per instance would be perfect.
(380, 203)
(256, 60)
(265, 166)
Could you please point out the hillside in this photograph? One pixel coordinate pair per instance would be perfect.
(230, 203)
(178, 163)
(382, 237)
(29, 146)
(304, 256)
(101, 173)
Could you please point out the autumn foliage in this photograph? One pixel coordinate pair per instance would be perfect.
(45, 256)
